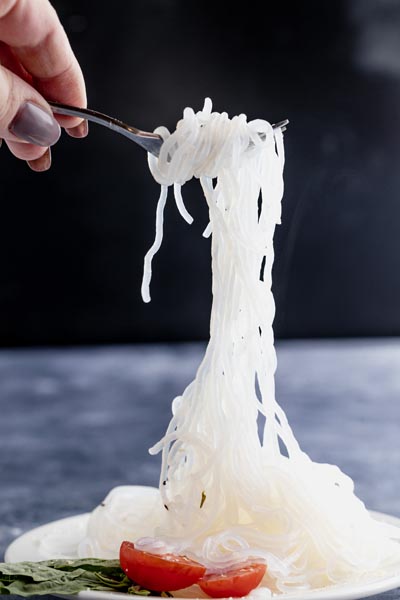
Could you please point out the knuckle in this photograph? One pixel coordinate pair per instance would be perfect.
(7, 96)
(6, 7)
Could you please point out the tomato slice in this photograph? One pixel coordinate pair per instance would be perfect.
(235, 582)
(161, 573)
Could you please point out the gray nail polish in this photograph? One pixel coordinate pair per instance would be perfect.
(35, 125)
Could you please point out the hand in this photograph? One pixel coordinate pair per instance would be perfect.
(36, 62)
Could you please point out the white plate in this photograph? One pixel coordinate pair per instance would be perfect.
(26, 548)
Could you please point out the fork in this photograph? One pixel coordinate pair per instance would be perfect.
(151, 142)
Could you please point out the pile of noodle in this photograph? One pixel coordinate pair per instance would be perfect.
(225, 496)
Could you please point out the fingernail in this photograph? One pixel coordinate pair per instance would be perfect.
(41, 164)
(80, 131)
(35, 125)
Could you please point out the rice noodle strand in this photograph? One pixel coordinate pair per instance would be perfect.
(156, 244)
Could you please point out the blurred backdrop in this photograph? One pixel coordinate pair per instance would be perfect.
(72, 240)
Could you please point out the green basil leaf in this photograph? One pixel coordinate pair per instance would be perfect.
(66, 577)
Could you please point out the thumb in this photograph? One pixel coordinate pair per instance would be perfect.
(25, 117)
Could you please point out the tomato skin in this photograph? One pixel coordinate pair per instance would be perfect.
(236, 582)
(161, 573)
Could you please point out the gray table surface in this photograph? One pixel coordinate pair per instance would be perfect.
(77, 422)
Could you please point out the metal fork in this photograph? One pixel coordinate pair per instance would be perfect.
(151, 142)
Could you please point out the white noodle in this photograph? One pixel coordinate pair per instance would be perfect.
(231, 497)
(156, 244)
(180, 204)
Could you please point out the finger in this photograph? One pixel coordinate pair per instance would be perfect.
(80, 131)
(26, 151)
(32, 29)
(24, 114)
(9, 60)
(38, 159)
(41, 164)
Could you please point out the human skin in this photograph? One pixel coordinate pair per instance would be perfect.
(36, 64)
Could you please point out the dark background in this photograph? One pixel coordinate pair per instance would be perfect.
(72, 240)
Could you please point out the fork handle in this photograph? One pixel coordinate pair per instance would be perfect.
(151, 142)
